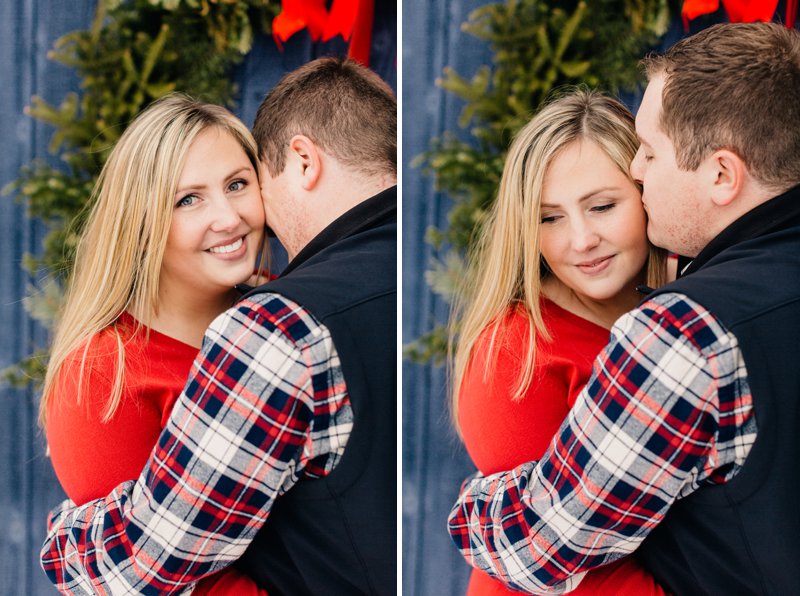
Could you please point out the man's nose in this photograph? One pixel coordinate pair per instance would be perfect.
(637, 166)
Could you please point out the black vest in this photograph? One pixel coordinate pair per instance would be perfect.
(743, 537)
(337, 535)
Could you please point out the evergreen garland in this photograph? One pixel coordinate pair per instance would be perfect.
(538, 46)
(135, 52)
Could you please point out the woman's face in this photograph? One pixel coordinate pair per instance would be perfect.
(594, 228)
(217, 223)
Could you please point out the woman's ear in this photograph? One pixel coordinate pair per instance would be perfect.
(727, 173)
(307, 159)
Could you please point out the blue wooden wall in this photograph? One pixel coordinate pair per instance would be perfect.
(28, 28)
(29, 488)
(434, 461)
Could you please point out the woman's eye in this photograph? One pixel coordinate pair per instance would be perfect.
(549, 219)
(603, 208)
(186, 201)
(236, 185)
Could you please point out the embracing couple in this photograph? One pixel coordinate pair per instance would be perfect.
(670, 463)
(279, 451)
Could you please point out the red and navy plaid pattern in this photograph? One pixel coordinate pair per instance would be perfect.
(264, 407)
(668, 408)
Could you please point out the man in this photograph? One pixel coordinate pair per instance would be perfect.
(285, 433)
(684, 443)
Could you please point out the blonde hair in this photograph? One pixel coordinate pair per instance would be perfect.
(506, 267)
(119, 255)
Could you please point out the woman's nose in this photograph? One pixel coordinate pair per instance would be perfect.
(584, 236)
(225, 216)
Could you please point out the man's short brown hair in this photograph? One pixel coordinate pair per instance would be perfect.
(736, 87)
(343, 107)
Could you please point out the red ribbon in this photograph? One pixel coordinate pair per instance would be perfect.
(739, 11)
(361, 42)
(695, 8)
(791, 13)
(299, 14)
(352, 19)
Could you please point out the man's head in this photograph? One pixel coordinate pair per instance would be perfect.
(720, 130)
(327, 139)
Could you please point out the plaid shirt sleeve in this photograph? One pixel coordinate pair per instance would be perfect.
(667, 409)
(264, 407)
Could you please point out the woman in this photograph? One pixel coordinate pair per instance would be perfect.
(557, 263)
(177, 222)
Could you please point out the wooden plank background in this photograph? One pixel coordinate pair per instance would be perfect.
(434, 461)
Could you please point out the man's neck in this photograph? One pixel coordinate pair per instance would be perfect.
(767, 216)
(335, 198)
(376, 211)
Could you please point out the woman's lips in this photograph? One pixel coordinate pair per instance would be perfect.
(233, 250)
(595, 266)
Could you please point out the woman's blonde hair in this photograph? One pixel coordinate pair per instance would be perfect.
(119, 254)
(506, 267)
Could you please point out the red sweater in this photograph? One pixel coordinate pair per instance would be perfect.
(501, 434)
(91, 457)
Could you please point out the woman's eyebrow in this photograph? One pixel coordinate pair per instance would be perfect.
(584, 197)
(202, 186)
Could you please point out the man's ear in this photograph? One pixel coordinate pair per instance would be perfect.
(307, 159)
(726, 173)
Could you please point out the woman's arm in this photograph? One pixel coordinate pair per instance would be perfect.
(91, 457)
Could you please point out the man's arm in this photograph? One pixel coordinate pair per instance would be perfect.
(265, 406)
(667, 408)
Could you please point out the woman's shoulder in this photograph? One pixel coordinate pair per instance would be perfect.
(511, 329)
(508, 328)
(91, 364)
(503, 345)
(102, 348)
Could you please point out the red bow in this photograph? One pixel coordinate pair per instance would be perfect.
(739, 11)
(352, 19)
